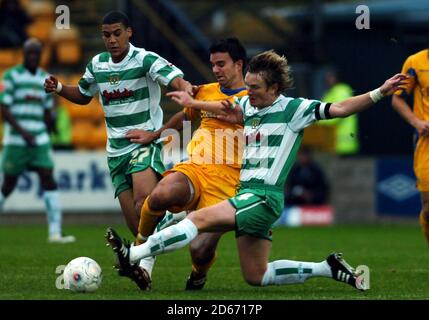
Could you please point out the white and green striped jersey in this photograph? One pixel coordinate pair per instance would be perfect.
(129, 92)
(273, 137)
(25, 97)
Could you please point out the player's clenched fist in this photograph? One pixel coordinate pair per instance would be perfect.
(51, 84)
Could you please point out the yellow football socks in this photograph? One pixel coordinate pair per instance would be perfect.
(148, 220)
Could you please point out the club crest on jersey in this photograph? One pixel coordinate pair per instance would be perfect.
(114, 78)
(256, 122)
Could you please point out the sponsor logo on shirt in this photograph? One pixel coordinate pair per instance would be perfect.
(117, 95)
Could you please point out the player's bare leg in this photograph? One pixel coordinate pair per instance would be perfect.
(203, 254)
(126, 200)
(131, 200)
(218, 218)
(424, 215)
(172, 190)
(254, 253)
(144, 182)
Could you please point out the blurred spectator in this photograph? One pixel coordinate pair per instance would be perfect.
(61, 138)
(306, 183)
(26, 109)
(346, 129)
(13, 24)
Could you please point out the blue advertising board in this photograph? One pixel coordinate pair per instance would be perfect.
(396, 192)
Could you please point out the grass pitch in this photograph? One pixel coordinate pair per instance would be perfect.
(396, 255)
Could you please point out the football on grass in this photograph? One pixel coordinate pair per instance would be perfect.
(82, 274)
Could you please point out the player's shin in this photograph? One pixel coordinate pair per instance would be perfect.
(148, 221)
(169, 239)
(292, 272)
(203, 269)
(168, 220)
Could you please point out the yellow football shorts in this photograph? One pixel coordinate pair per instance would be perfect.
(212, 183)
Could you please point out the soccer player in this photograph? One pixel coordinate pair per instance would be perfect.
(273, 127)
(27, 110)
(416, 67)
(201, 181)
(128, 81)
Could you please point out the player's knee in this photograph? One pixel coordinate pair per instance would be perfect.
(253, 274)
(158, 199)
(199, 218)
(253, 279)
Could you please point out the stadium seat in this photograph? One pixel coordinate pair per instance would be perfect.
(40, 29)
(98, 137)
(77, 112)
(43, 14)
(10, 57)
(81, 133)
(73, 79)
(97, 113)
(67, 44)
(68, 52)
(41, 8)
(45, 59)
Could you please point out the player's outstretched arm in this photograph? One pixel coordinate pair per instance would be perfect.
(180, 84)
(185, 100)
(361, 102)
(401, 106)
(71, 93)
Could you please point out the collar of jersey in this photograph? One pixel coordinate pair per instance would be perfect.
(126, 58)
(265, 110)
(231, 92)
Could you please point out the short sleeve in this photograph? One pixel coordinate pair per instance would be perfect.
(160, 70)
(87, 84)
(308, 112)
(408, 69)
